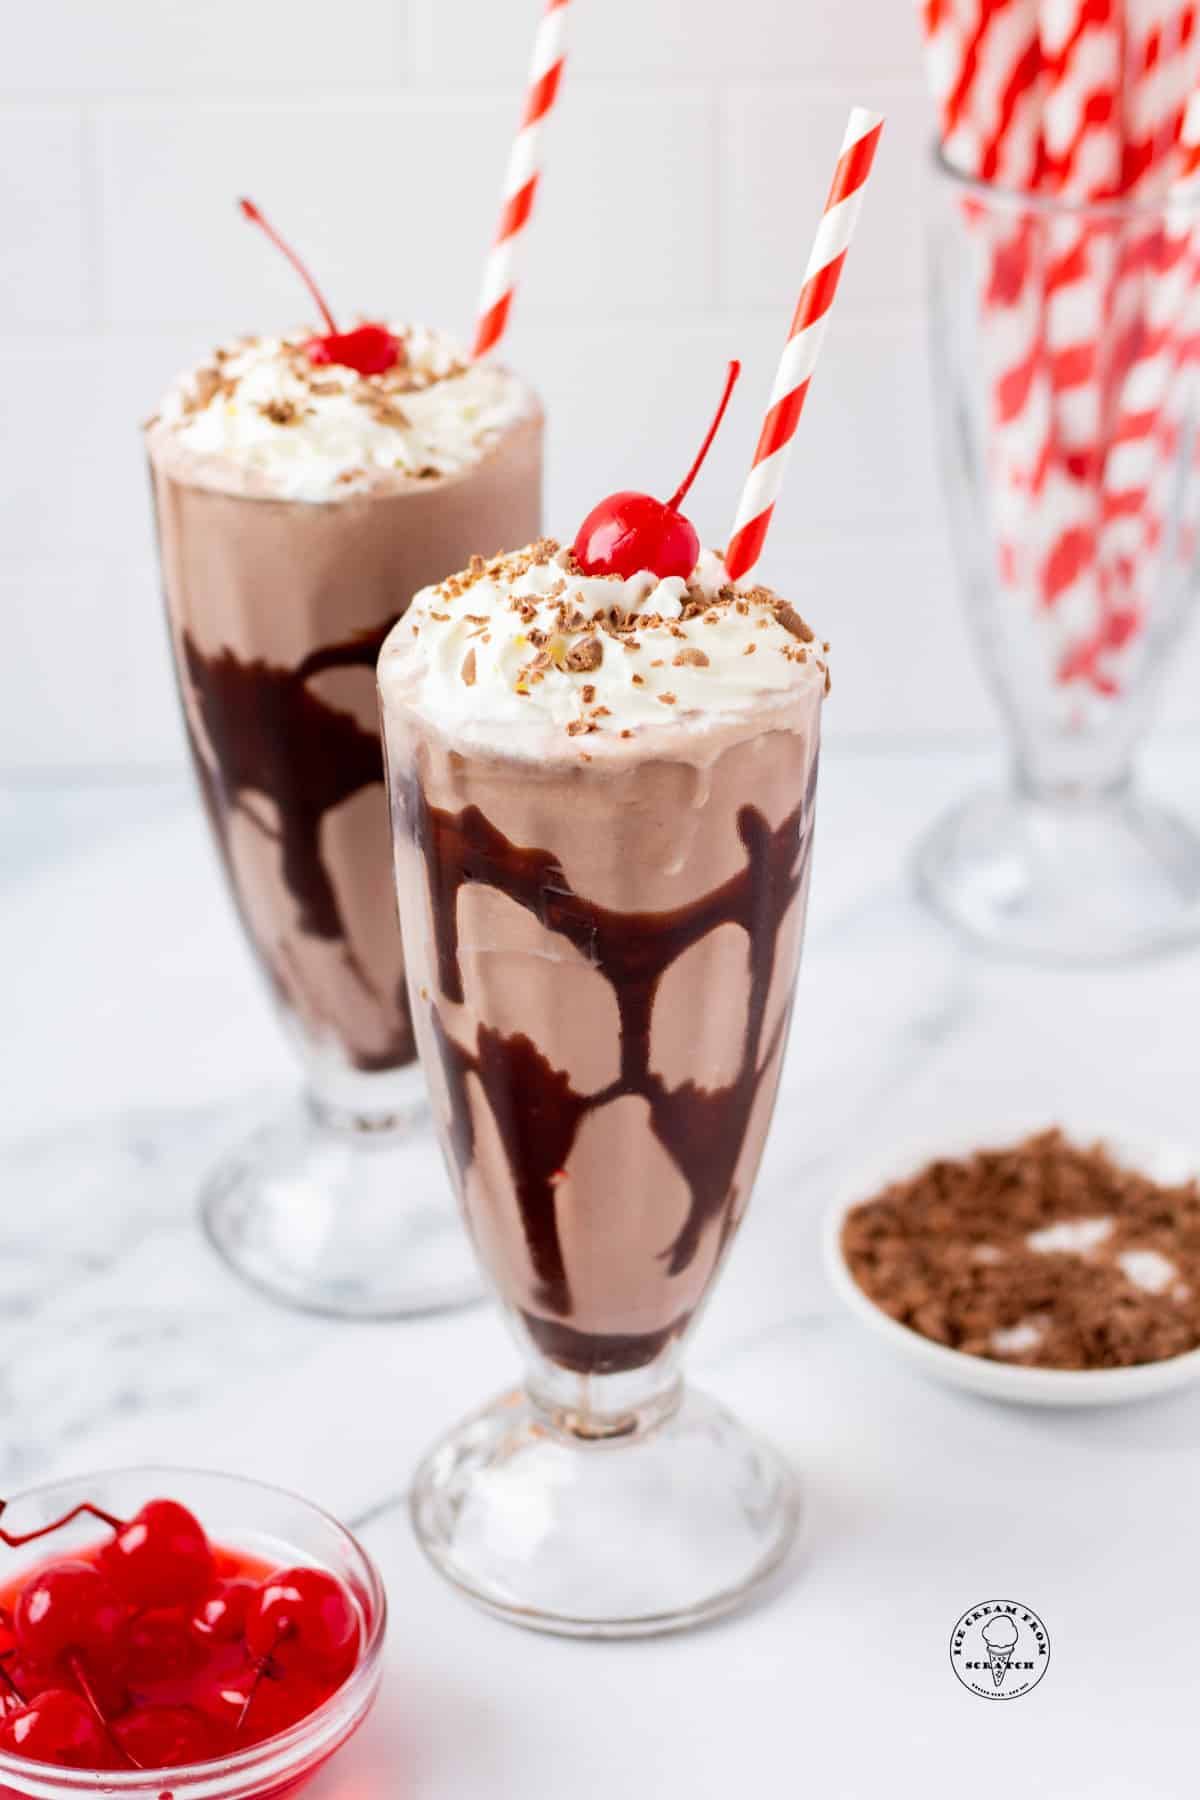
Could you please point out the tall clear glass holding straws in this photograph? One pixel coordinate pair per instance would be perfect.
(1065, 370)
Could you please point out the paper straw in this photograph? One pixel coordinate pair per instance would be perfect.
(1083, 120)
(1167, 284)
(984, 62)
(821, 278)
(1157, 389)
(1150, 386)
(1162, 66)
(521, 178)
(1083, 132)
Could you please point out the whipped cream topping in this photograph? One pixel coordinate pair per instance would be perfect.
(527, 640)
(308, 432)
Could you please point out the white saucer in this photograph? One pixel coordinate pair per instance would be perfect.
(998, 1380)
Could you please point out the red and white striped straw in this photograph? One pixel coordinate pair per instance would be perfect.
(1155, 387)
(521, 178)
(800, 354)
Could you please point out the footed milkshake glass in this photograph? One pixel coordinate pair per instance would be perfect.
(1067, 401)
(277, 611)
(602, 950)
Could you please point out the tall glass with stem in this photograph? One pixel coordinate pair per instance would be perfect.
(1063, 339)
(603, 925)
(278, 601)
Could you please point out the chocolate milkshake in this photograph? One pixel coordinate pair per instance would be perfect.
(299, 508)
(603, 805)
(300, 503)
(602, 791)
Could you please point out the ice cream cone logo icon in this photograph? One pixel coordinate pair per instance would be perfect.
(999, 1649)
(1000, 1636)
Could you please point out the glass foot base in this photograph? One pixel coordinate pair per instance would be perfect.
(1065, 883)
(670, 1524)
(357, 1223)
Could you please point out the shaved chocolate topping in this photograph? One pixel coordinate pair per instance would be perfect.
(581, 659)
(281, 412)
(791, 621)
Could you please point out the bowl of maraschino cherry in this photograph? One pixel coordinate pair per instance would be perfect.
(172, 1632)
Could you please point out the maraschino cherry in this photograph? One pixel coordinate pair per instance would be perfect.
(161, 1558)
(630, 532)
(255, 1704)
(58, 1727)
(153, 1650)
(164, 1737)
(221, 1615)
(162, 1647)
(369, 349)
(307, 1607)
(67, 1611)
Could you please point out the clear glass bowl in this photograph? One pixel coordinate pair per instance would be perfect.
(248, 1516)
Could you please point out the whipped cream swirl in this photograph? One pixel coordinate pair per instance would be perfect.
(261, 409)
(526, 644)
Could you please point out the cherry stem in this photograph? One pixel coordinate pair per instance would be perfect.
(9, 1683)
(264, 1663)
(15, 1540)
(735, 369)
(75, 1664)
(251, 212)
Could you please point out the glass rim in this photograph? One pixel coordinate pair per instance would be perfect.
(285, 1755)
(994, 195)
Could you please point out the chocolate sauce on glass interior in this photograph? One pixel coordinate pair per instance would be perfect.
(278, 607)
(274, 736)
(536, 1110)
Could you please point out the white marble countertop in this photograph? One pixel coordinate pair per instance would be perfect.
(139, 1042)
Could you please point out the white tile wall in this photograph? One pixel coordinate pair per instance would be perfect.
(778, 143)
(686, 167)
(47, 276)
(668, 39)
(193, 47)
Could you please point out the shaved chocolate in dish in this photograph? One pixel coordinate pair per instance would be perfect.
(1044, 1253)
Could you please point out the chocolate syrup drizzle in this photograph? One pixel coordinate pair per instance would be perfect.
(536, 1110)
(274, 736)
